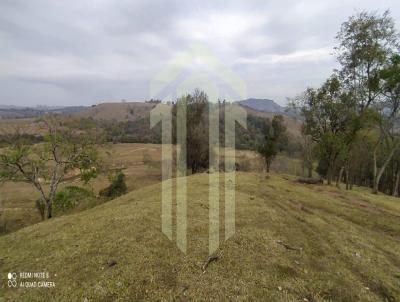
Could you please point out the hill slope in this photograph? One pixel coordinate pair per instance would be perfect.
(123, 111)
(262, 105)
(293, 125)
(140, 112)
(15, 112)
(292, 242)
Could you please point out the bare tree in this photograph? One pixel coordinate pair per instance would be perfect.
(45, 164)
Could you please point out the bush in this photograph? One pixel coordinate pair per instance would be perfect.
(116, 188)
(70, 197)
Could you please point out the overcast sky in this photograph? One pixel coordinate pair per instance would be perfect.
(88, 51)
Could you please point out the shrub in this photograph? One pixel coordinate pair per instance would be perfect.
(70, 197)
(116, 188)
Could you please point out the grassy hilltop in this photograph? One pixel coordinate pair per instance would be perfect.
(293, 242)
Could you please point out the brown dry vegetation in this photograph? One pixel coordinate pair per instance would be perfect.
(23, 125)
(141, 164)
(17, 199)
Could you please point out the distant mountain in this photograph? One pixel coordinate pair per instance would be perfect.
(264, 105)
(8, 112)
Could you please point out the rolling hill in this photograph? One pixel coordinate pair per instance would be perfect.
(122, 111)
(137, 112)
(264, 105)
(293, 243)
(134, 111)
(14, 112)
(293, 125)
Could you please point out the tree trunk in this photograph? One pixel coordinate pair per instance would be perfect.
(40, 204)
(310, 172)
(329, 176)
(331, 166)
(396, 184)
(347, 179)
(375, 183)
(53, 189)
(268, 165)
(375, 186)
(339, 177)
(330, 172)
(48, 210)
(378, 174)
(377, 179)
(45, 208)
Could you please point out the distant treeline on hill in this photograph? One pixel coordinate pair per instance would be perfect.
(11, 112)
(139, 131)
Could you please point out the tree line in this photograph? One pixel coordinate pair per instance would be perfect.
(351, 122)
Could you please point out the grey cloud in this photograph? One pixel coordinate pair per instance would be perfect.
(83, 52)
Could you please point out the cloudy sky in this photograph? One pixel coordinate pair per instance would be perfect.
(89, 51)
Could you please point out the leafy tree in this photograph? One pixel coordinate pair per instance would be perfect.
(361, 163)
(367, 46)
(366, 40)
(274, 139)
(45, 165)
(390, 79)
(197, 108)
(353, 116)
(388, 142)
(328, 113)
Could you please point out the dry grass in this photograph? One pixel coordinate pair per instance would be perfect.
(17, 200)
(23, 125)
(344, 246)
(141, 164)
